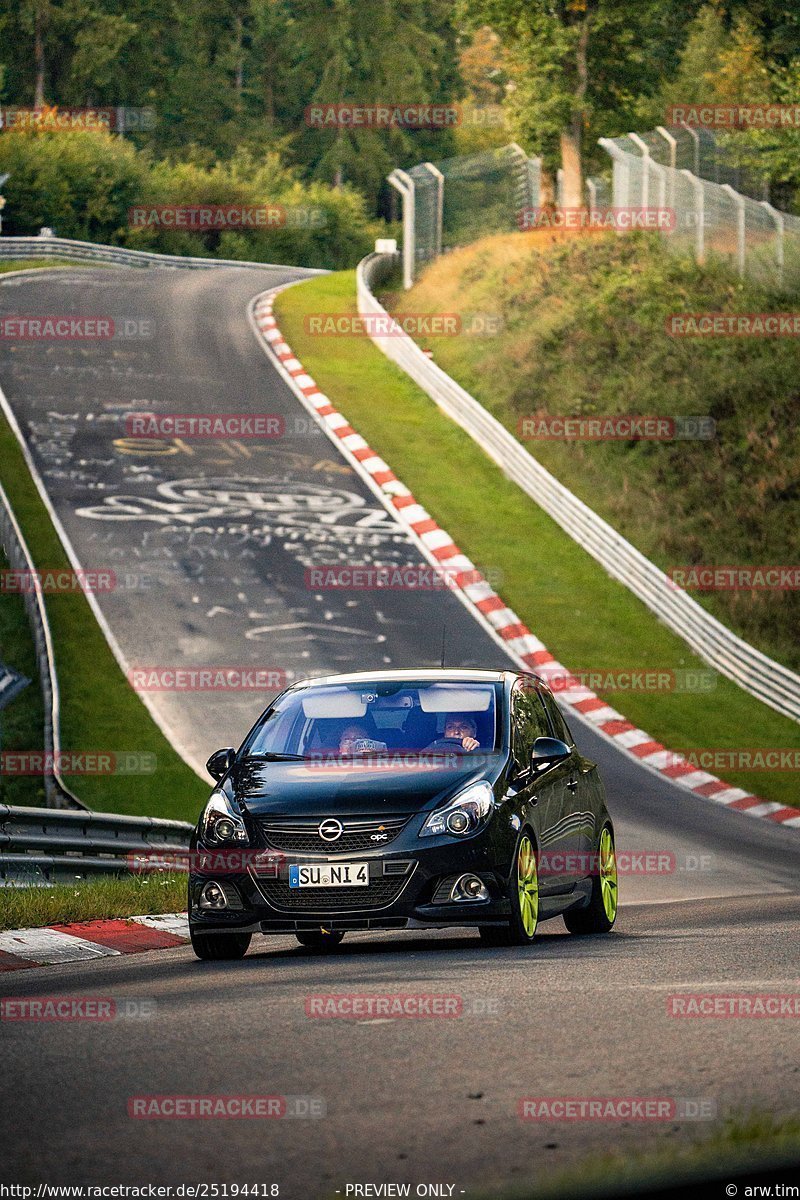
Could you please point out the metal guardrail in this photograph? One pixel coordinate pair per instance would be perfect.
(44, 845)
(19, 559)
(717, 645)
(55, 247)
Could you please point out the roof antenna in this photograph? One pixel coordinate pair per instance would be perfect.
(443, 633)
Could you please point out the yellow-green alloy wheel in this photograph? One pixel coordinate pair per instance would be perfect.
(608, 874)
(527, 887)
(523, 893)
(599, 915)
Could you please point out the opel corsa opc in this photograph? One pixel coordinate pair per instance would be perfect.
(402, 800)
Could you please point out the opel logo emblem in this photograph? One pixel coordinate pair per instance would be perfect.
(330, 830)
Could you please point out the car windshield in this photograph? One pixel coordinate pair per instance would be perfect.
(355, 720)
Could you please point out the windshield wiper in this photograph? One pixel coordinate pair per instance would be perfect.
(275, 756)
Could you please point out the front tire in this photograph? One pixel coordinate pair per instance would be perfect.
(601, 912)
(219, 947)
(524, 894)
(319, 939)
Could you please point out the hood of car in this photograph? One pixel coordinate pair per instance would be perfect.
(319, 789)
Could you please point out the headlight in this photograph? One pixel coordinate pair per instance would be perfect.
(464, 814)
(221, 824)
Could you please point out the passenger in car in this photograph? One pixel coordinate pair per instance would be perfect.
(356, 740)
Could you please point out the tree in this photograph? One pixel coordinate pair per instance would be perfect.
(578, 68)
(726, 62)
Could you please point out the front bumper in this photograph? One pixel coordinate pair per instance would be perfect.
(405, 890)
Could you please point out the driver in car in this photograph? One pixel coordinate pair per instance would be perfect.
(457, 728)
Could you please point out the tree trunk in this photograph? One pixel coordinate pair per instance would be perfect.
(239, 77)
(572, 186)
(547, 190)
(38, 56)
(572, 138)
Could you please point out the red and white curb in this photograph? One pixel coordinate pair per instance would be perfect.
(20, 948)
(522, 646)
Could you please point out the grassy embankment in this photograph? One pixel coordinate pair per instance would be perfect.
(585, 618)
(583, 332)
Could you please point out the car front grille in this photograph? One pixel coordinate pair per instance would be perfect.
(379, 893)
(302, 836)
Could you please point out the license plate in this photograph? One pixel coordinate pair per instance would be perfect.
(329, 875)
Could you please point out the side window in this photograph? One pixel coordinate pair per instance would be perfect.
(528, 721)
(559, 725)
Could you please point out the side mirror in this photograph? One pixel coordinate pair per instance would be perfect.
(221, 762)
(547, 750)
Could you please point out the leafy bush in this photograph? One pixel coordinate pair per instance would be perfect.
(83, 183)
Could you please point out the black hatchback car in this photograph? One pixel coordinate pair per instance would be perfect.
(402, 800)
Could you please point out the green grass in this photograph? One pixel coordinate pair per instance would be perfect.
(99, 708)
(753, 1143)
(22, 721)
(583, 333)
(25, 264)
(585, 618)
(92, 900)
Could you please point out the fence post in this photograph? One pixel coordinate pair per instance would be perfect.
(645, 149)
(439, 178)
(661, 175)
(695, 136)
(740, 227)
(780, 225)
(672, 142)
(404, 184)
(620, 187)
(534, 182)
(699, 196)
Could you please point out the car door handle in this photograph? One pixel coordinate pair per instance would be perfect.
(572, 784)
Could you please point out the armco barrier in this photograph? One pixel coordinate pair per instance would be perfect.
(19, 559)
(42, 845)
(89, 252)
(717, 645)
